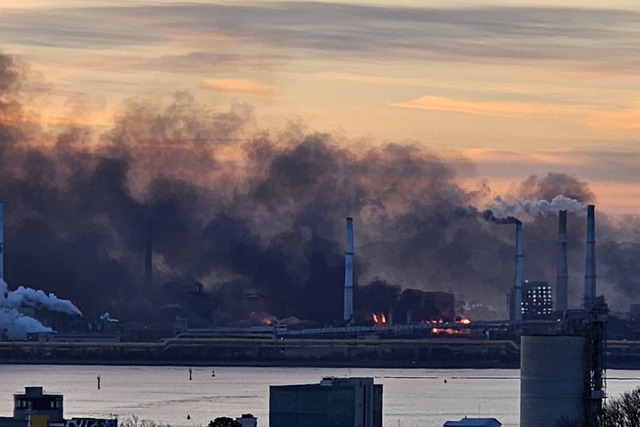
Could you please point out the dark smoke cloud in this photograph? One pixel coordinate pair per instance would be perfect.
(242, 211)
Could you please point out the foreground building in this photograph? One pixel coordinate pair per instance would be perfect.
(34, 408)
(335, 402)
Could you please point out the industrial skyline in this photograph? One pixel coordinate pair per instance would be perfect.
(147, 146)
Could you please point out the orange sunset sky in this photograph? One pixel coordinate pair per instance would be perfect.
(514, 88)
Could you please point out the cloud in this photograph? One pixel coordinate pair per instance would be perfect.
(505, 109)
(605, 119)
(243, 87)
(599, 37)
(595, 165)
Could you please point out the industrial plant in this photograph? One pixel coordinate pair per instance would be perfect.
(562, 353)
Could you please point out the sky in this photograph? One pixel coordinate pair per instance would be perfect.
(508, 88)
(145, 144)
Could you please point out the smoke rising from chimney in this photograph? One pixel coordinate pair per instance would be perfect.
(535, 207)
(235, 208)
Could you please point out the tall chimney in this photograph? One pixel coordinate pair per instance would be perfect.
(562, 279)
(1, 241)
(517, 288)
(148, 257)
(348, 274)
(590, 263)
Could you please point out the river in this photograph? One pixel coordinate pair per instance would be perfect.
(412, 397)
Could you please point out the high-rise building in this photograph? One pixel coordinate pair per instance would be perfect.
(537, 300)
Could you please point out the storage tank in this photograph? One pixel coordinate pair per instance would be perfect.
(553, 380)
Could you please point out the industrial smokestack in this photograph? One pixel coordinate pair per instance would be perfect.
(1, 241)
(348, 274)
(590, 263)
(517, 289)
(148, 257)
(562, 279)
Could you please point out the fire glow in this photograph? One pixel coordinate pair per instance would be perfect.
(380, 319)
(450, 331)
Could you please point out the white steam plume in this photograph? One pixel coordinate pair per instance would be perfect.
(15, 325)
(24, 295)
(517, 207)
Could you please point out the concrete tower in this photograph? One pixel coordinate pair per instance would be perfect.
(348, 274)
(590, 262)
(562, 279)
(517, 287)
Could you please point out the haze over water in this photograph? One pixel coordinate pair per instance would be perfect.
(412, 397)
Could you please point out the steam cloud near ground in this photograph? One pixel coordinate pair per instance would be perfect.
(14, 324)
(237, 209)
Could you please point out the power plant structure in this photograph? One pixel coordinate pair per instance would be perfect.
(1, 241)
(517, 289)
(348, 274)
(561, 357)
(562, 367)
(562, 278)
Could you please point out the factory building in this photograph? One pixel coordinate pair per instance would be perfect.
(35, 407)
(537, 300)
(415, 305)
(335, 402)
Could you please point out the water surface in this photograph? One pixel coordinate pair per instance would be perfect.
(412, 397)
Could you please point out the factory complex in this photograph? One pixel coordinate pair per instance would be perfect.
(562, 353)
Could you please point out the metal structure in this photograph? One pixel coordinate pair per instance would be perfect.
(563, 367)
(596, 351)
(597, 326)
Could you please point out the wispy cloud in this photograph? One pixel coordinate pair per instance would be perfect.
(487, 108)
(601, 37)
(597, 116)
(593, 165)
(244, 87)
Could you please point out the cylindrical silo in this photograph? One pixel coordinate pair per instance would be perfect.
(553, 380)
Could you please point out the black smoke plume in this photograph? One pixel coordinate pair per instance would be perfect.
(244, 220)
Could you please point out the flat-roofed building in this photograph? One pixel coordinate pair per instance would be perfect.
(335, 402)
